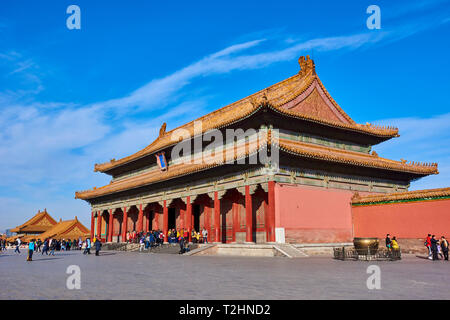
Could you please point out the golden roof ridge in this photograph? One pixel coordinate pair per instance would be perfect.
(303, 80)
(398, 196)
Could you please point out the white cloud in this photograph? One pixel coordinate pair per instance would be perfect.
(422, 140)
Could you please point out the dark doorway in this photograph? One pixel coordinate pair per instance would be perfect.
(150, 220)
(172, 218)
(196, 212)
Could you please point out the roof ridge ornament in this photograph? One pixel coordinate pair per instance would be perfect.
(260, 100)
(306, 65)
(162, 131)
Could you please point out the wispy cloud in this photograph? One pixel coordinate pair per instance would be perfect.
(424, 140)
(23, 69)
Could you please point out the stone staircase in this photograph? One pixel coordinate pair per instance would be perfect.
(168, 248)
(114, 246)
(289, 250)
(200, 248)
(134, 247)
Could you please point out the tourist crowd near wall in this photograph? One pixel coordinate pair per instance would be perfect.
(297, 169)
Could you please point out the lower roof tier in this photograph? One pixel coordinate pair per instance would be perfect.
(301, 150)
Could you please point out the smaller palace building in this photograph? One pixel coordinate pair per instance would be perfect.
(297, 169)
(43, 226)
(38, 224)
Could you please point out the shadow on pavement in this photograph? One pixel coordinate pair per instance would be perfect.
(55, 258)
(107, 254)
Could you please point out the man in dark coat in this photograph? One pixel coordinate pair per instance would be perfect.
(98, 246)
(388, 241)
(444, 247)
(181, 242)
(434, 248)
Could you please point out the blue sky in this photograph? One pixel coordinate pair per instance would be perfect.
(72, 98)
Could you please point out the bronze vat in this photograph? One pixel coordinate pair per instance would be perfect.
(366, 245)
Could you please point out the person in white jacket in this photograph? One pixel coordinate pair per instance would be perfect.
(18, 246)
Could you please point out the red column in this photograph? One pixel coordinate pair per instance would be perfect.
(124, 224)
(235, 212)
(165, 220)
(208, 219)
(99, 226)
(92, 224)
(271, 213)
(189, 216)
(248, 215)
(140, 219)
(182, 217)
(110, 227)
(217, 216)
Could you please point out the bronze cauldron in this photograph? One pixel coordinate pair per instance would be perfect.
(366, 245)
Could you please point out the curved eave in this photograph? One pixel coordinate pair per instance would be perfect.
(142, 181)
(370, 161)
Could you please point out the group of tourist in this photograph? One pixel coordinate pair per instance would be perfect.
(155, 238)
(174, 235)
(392, 244)
(88, 244)
(150, 239)
(437, 250)
(49, 246)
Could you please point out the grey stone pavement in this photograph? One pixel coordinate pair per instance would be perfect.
(132, 275)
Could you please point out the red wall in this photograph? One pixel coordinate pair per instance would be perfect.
(403, 220)
(313, 214)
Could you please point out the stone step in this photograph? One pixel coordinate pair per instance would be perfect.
(168, 248)
(200, 248)
(290, 251)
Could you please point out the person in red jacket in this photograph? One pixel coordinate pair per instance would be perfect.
(428, 245)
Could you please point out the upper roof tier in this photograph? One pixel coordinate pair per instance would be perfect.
(40, 222)
(302, 96)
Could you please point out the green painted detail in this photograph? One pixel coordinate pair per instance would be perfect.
(303, 137)
(400, 201)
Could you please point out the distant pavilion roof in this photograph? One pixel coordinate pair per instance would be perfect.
(39, 223)
(69, 229)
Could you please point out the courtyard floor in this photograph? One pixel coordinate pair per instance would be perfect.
(131, 275)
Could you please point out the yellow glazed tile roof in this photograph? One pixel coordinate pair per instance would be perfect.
(40, 222)
(68, 229)
(355, 158)
(401, 196)
(275, 97)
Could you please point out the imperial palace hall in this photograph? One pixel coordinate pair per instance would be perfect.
(319, 160)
